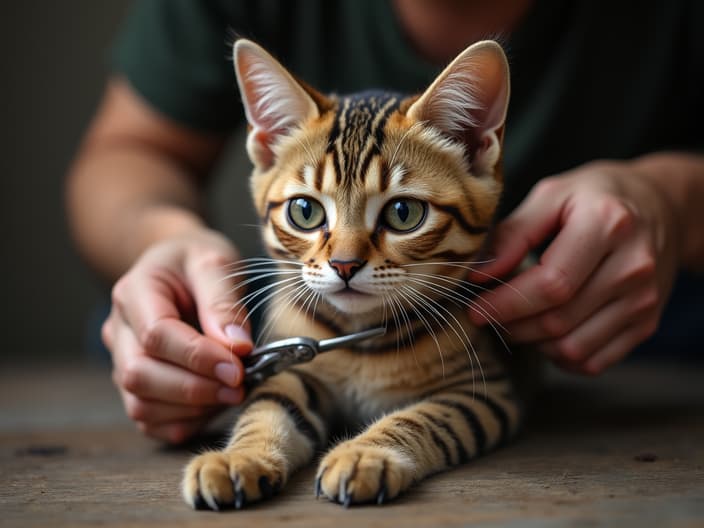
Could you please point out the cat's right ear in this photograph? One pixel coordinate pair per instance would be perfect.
(274, 102)
(468, 102)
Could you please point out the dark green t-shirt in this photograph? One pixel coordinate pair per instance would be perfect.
(591, 79)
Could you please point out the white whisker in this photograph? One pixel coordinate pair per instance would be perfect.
(450, 262)
(458, 298)
(244, 302)
(405, 136)
(257, 278)
(305, 145)
(260, 261)
(467, 266)
(274, 316)
(412, 293)
(466, 342)
(403, 320)
(397, 324)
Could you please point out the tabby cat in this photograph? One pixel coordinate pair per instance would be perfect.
(373, 207)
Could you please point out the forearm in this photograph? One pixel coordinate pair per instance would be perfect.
(679, 177)
(122, 199)
(136, 180)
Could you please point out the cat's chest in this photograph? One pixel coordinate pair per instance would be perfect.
(368, 386)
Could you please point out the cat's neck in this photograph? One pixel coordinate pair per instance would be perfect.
(340, 323)
(403, 325)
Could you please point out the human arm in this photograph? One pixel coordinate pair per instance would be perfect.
(621, 232)
(133, 198)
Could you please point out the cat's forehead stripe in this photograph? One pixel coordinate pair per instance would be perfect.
(358, 132)
(376, 138)
(319, 173)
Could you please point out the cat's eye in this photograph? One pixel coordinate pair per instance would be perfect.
(305, 213)
(404, 214)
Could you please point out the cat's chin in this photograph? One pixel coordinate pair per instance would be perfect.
(354, 302)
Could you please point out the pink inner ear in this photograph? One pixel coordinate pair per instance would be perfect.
(468, 99)
(489, 91)
(265, 155)
(252, 92)
(274, 101)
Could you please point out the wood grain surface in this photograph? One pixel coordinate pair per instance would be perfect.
(625, 449)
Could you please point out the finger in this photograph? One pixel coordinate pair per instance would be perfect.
(564, 267)
(157, 413)
(150, 305)
(622, 345)
(142, 300)
(152, 379)
(107, 330)
(173, 433)
(178, 343)
(597, 332)
(622, 273)
(156, 380)
(536, 218)
(216, 295)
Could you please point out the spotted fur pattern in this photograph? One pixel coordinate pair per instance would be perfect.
(430, 394)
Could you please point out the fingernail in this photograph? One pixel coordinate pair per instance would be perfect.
(237, 333)
(228, 373)
(229, 396)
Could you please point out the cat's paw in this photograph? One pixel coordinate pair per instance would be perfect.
(355, 473)
(223, 480)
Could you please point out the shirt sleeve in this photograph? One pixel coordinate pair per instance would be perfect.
(176, 55)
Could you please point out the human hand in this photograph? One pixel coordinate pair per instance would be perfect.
(172, 378)
(599, 288)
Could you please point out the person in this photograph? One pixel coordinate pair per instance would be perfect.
(603, 168)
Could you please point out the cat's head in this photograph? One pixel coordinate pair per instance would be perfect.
(369, 193)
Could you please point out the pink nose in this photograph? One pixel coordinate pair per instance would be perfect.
(346, 268)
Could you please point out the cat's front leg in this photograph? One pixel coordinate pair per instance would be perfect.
(444, 429)
(281, 428)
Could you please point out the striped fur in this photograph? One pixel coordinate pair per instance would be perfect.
(432, 393)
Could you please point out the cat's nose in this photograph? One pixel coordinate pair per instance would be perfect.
(346, 268)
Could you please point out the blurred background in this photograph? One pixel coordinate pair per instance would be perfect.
(55, 58)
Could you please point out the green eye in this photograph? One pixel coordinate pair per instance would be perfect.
(404, 214)
(305, 213)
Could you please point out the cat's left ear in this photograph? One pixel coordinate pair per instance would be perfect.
(468, 102)
(274, 102)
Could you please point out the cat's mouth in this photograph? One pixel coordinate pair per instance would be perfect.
(351, 293)
(351, 300)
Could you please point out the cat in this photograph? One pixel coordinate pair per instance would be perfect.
(373, 207)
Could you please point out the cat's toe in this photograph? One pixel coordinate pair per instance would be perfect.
(352, 474)
(221, 480)
(207, 483)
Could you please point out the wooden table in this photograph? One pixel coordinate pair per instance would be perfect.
(626, 449)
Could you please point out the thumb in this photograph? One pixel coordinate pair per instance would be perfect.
(216, 294)
(530, 224)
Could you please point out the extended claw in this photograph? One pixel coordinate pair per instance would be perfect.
(344, 497)
(383, 490)
(240, 499)
(381, 497)
(319, 484)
